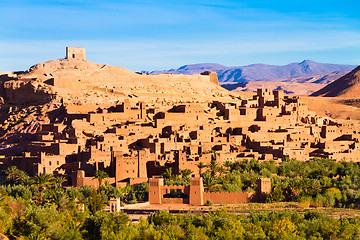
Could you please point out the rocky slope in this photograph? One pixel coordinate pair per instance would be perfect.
(84, 82)
(347, 86)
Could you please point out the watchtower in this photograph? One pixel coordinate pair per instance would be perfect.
(76, 53)
(155, 191)
(264, 185)
(263, 188)
(196, 191)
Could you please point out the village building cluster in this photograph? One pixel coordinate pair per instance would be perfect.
(133, 141)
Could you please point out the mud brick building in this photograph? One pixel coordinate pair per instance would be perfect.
(134, 141)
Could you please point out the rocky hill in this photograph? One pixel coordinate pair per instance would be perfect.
(84, 82)
(346, 86)
(41, 94)
(260, 72)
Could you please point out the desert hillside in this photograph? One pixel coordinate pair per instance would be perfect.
(346, 86)
(83, 82)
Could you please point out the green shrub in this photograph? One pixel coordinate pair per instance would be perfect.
(319, 201)
(19, 191)
(209, 203)
(305, 201)
(36, 220)
(105, 225)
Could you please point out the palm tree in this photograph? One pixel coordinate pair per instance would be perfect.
(22, 177)
(213, 166)
(209, 182)
(95, 202)
(41, 181)
(36, 236)
(100, 176)
(59, 198)
(75, 229)
(201, 166)
(227, 164)
(221, 170)
(12, 174)
(59, 181)
(214, 154)
(168, 173)
(186, 173)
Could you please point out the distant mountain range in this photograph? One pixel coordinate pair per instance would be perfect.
(261, 72)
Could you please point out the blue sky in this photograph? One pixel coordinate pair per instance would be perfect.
(157, 35)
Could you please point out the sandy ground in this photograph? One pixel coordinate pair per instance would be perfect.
(335, 107)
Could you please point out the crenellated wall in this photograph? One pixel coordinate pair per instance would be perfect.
(197, 195)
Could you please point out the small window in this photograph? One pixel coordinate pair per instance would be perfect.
(73, 56)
